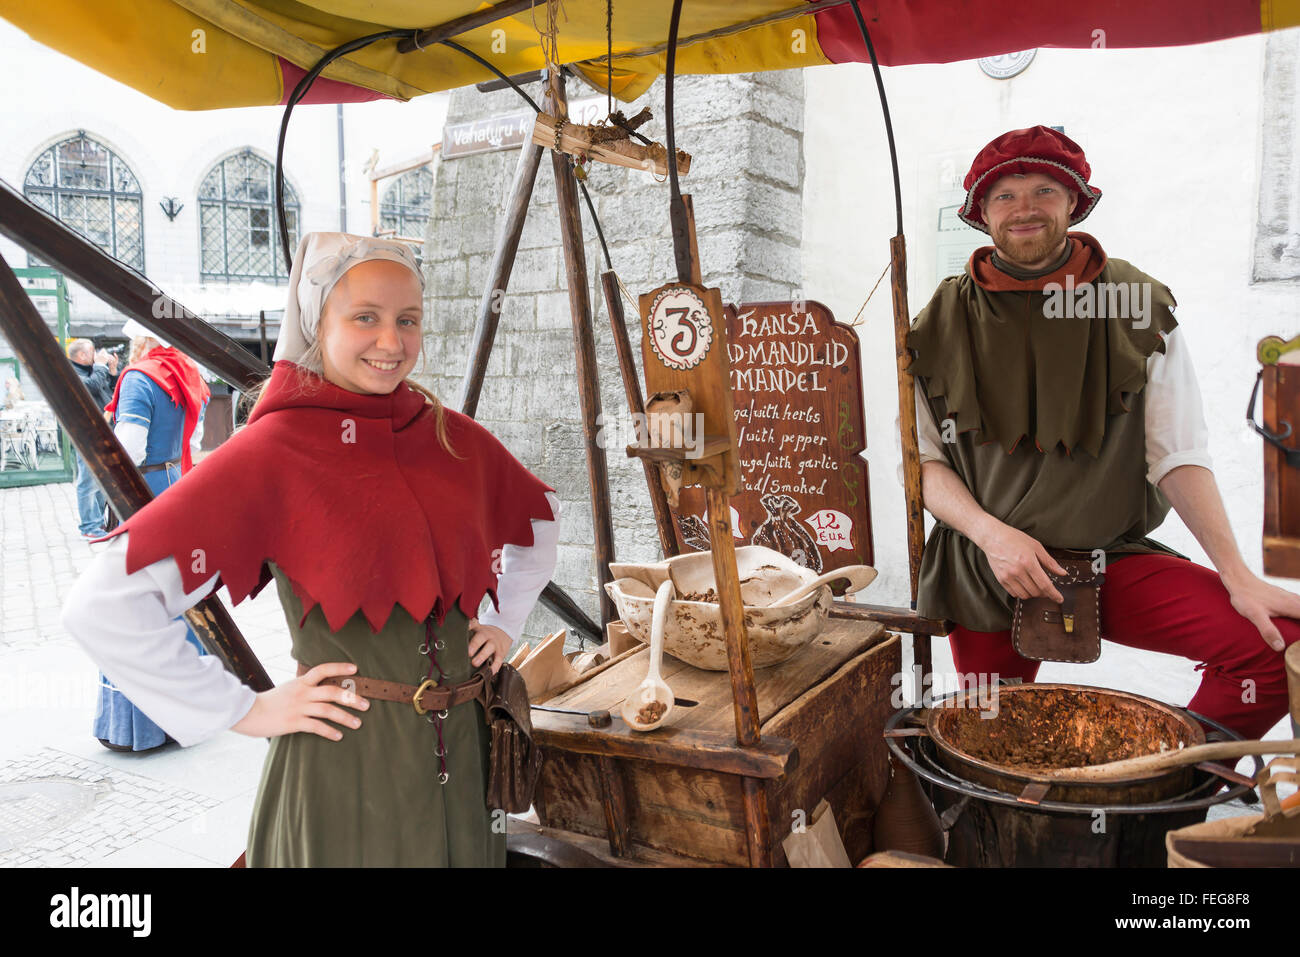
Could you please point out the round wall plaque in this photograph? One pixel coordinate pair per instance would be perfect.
(1007, 65)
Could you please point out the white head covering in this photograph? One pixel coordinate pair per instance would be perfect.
(132, 329)
(319, 263)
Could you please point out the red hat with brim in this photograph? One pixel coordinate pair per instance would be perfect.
(1039, 149)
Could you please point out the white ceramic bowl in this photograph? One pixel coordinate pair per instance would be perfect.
(693, 630)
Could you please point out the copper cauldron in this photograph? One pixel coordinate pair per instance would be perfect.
(1003, 737)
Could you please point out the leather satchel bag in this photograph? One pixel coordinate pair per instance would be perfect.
(1042, 630)
(515, 761)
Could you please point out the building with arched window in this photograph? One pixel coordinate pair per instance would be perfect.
(83, 183)
(239, 232)
(407, 202)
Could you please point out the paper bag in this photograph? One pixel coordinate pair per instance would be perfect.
(817, 844)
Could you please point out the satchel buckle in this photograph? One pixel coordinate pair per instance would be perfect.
(419, 693)
(1068, 620)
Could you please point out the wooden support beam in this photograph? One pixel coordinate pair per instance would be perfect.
(913, 501)
(898, 619)
(636, 405)
(687, 748)
(122, 483)
(579, 140)
(584, 350)
(739, 666)
(758, 827)
(613, 796)
(498, 280)
(79, 259)
(463, 24)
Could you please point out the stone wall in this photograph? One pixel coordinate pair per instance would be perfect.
(745, 134)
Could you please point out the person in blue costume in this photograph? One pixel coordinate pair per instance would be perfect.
(157, 408)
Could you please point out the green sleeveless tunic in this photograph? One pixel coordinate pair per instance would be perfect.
(1049, 433)
(373, 799)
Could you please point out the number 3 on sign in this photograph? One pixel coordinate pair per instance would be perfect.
(680, 329)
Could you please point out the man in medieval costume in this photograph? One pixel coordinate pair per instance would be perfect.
(1057, 408)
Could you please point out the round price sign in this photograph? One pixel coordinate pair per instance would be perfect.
(681, 331)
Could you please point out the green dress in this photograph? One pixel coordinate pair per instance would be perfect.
(374, 798)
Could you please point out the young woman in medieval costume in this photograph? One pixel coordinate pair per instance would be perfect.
(384, 519)
(157, 408)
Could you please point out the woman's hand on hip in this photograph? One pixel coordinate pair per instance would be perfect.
(304, 704)
(487, 642)
(1018, 562)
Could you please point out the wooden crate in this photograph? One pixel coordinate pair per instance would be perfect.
(675, 795)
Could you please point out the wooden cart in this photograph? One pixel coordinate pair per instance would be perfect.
(677, 796)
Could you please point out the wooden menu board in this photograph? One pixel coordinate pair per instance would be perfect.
(796, 382)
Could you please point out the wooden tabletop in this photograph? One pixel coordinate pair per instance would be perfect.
(776, 686)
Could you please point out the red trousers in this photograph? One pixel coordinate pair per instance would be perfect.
(1171, 605)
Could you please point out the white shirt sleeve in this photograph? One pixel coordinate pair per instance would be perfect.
(928, 441)
(196, 440)
(135, 440)
(525, 570)
(1176, 433)
(127, 625)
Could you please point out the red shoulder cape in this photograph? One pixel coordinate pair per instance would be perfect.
(179, 377)
(353, 497)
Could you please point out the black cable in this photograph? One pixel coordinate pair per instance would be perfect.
(884, 106)
(299, 92)
(478, 59)
(600, 233)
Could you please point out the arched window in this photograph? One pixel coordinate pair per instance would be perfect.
(86, 186)
(239, 237)
(406, 204)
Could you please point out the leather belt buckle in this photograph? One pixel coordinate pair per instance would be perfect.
(419, 693)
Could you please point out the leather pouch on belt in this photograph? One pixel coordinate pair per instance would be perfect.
(1042, 630)
(515, 761)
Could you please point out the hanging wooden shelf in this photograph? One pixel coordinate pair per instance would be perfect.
(711, 446)
(577, 140)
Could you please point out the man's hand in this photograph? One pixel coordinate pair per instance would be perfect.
(1258, 601)
(1018, 561)
(1194, 494)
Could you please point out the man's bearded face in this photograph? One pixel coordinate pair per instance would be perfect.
(1028, 216)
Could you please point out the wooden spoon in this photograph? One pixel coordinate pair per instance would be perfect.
(1131, 767)
(859, 576)
(653, 688)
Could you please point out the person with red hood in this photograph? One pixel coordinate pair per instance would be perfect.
(157, 407)
(385, 520)
(1057, 407)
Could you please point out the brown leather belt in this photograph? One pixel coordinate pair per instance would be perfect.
(159, 465)
(425, 697)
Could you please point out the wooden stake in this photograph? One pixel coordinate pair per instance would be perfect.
(907, 428)
(739, 667)
(584, 350)
(503, 263)
(636, 405)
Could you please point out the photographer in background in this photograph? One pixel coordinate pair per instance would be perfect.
(98, 372)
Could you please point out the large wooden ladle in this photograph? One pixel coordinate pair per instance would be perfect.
(859, 576)
(653, 688)
(1133, 767)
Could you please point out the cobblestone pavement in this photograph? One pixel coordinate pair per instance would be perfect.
(67, 801)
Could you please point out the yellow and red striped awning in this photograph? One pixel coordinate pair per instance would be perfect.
(211, 54)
